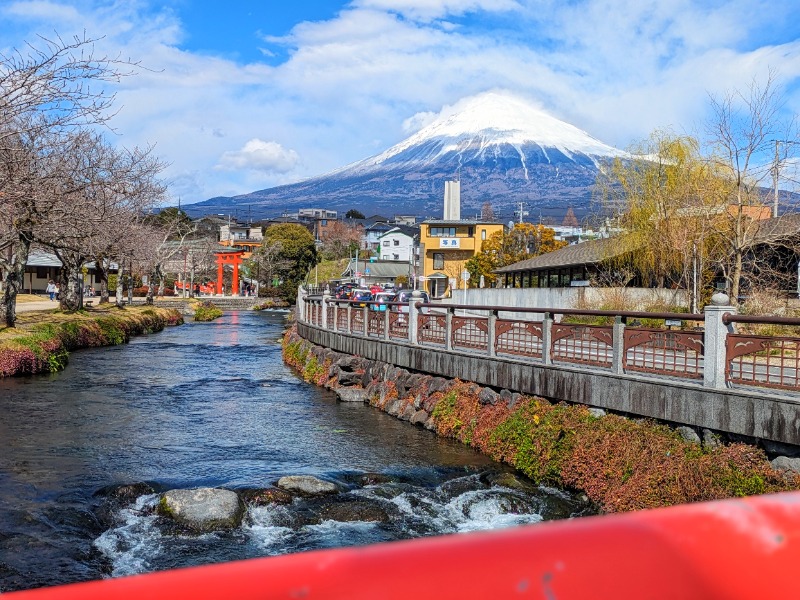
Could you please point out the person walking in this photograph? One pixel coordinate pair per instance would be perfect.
(51, 289)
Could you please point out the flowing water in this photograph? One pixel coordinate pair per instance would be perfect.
(212, 404)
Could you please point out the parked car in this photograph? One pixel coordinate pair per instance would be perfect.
(381, 299)
(344, 291)
(404, 296)
(376, 289)
(360, 297)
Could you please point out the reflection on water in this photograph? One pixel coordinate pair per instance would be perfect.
(205, 404)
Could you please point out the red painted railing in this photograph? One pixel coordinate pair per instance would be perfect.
(745, 548)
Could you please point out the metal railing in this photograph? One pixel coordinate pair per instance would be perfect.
(704, 348)
(763, 360)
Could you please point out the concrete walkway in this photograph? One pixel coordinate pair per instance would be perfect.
(37, 305)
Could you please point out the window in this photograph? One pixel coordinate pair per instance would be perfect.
(323, 222)
(396, 242)
(483, 234)
(438, 260)
(470, 231)
(385, 242)
(385, 257)
(443, 231)
(395, 257)
(41, 272)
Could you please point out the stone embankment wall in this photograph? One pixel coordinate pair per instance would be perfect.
(621, 464)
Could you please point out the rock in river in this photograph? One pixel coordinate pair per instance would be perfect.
(306, 485)
(202, 509)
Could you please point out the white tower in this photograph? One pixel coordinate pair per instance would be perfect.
(452, 201)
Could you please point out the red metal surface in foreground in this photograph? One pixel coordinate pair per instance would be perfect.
(747, 548)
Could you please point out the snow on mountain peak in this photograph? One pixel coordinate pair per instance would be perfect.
(500, 117)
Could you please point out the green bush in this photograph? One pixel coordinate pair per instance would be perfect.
(207, 311)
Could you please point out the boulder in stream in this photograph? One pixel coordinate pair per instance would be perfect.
(307, 485)
(202, 509)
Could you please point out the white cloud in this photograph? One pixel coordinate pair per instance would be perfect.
(418, 121)
(432, 9)
(258, 155)
(355, 84)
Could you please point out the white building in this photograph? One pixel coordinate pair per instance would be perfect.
(396, 244)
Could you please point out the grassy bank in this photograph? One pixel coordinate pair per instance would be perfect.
(206, 311)
(41, 341)
(620, 464)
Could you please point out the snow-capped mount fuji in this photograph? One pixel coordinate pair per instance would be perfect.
(502, 148)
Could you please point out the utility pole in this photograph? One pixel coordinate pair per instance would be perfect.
(521, 212)
(775, 179)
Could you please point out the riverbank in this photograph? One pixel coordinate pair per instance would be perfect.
(619, 463)
(41, 341)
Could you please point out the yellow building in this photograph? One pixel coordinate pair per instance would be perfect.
(445, 246)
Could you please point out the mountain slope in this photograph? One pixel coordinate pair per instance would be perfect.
(503, 149)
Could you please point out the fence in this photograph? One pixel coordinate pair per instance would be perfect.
(706, 347)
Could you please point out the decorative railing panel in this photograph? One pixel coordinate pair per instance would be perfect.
(763, 361)
(341, 318)
(375, 323)
(316, 314)
(357, 320)
(431, 329)
(676, 353)
(329, 324)
(585, 344)
(398, 325)
(470, 332)
(516, 337)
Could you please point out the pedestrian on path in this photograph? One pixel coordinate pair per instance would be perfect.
(51, 289)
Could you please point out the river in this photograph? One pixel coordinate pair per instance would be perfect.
(212, 404)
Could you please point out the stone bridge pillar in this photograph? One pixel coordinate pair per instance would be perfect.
(716, 334)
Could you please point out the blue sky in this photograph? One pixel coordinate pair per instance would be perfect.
(243, 95)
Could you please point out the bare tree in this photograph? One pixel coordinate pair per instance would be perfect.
(487, 212)
(743, 133)
(340, 239)
(46, 92)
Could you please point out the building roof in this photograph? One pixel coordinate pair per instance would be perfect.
(39, 258)
(459, 222)
(378, 268)
(404, 229)
(591, 252)
(777, 229)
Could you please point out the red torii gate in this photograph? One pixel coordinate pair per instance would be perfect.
(229, 258)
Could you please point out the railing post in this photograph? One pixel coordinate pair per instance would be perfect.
(365, 320)
(618, 345)
(300, 314)
(386, 323)
(547, 331)
(491, 325)
(448, 330)
(349, 328)
(715, 360)
(325, 307)
(335, 316)
(416, 296)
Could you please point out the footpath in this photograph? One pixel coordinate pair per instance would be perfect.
(44, 304)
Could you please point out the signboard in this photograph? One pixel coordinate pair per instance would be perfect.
(449, 243)
(673, 322)
(579, 283)
(465, 275)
